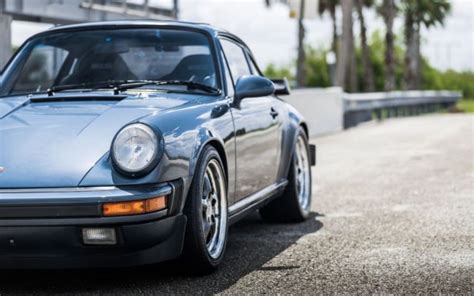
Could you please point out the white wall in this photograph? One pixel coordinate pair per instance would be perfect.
(323, 108)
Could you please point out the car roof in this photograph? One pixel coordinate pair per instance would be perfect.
(211, 30)
(214, 31)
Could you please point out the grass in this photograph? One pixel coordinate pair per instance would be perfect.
(466, 105)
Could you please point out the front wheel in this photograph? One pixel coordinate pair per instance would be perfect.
(295, 203)
(206, 210)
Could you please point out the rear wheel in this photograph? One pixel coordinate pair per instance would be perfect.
(295, 203)
(206, 210)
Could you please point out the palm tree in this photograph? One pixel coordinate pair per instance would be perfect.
(369, 84)
(330, 7)
(352, 83)
(419, 13)
(346, 49)
(301, 59)
(388, 11)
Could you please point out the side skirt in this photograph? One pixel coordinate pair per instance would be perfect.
(255, 201)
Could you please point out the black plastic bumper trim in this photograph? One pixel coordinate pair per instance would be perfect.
(312, 151)
(44, 247)
(84, 221)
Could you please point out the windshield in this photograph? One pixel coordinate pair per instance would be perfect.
(95, 56)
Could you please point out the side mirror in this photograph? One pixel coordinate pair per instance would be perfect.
(252, 86)
(282, 87)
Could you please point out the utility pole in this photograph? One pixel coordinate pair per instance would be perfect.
(300, 66)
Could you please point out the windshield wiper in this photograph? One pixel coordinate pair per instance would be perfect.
(121, 85)
(189, 84)
(90, 85)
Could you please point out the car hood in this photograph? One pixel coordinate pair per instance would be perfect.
(54, 141)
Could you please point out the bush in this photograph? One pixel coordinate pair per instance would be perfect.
(317, 69)
(273, 71)
(448, 80)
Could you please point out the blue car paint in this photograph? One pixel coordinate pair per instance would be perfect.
(66, 144)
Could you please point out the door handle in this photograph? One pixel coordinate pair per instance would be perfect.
(273, 113)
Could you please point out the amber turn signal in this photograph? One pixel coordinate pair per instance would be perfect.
(135, 207)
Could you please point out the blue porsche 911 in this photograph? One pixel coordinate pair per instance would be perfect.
(134, 142)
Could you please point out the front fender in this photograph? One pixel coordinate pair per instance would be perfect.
(203, 138)
(185, 132)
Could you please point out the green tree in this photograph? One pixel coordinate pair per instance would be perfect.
(330, 7)
(419, 13)
(300, 62)
(273, 71)
(346, 74)
(317, 68)
(368, 81)
(377, 48)
(388, 11)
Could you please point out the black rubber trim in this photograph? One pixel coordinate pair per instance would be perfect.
(312, 152)
(56, 212)
(174, 203)
(84, 221)
(242, 213)
(40, 247)
(79, 210)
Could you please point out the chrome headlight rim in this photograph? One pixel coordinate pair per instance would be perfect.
(159, 148)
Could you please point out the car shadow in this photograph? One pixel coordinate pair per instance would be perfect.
(252, 243)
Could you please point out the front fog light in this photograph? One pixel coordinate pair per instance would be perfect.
(99, 236)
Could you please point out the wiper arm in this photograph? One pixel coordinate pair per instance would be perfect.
(189, 84)
(121, 85)
(90, 85)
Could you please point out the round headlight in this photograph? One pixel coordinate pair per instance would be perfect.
(135, 149)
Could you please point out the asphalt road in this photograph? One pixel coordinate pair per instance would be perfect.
(393, 212)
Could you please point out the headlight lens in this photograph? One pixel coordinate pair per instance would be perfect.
(135, 149)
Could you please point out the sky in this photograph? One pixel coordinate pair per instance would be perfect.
(271, 34)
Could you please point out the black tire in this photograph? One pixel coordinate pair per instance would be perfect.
(196, 255)
(287, 207)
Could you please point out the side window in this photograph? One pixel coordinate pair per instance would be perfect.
(236, 59)
(228, 78)
(253, 67)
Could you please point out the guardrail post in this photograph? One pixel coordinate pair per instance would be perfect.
(378, 114)
(424, 108)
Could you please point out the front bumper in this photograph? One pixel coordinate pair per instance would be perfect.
(43, 229)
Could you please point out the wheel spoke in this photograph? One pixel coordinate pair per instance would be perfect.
(206, 188)
(206, 229)
(214, 208)
(205, 204)
(302, 178)
(212, 181)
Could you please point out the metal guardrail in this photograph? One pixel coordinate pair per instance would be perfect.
(363, 107)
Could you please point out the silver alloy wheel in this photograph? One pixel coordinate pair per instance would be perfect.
(302, 174)
(214, 208)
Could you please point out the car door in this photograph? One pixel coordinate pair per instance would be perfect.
(257, 131)
(277, 110)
